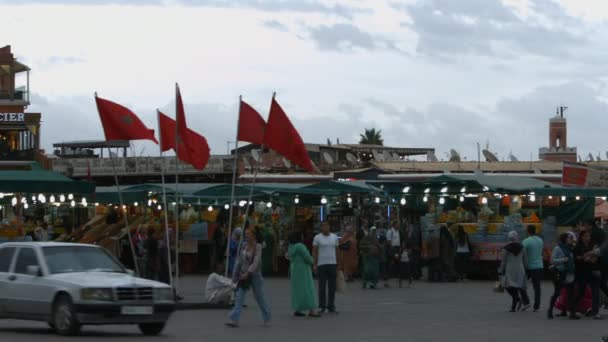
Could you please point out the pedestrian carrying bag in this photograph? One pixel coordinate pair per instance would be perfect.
(245, 284)
(340, 282)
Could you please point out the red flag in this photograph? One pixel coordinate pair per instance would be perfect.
(166, 132)
(251, 125)
(181, 131)
(197, 155)
(120, 123)
(281, 136)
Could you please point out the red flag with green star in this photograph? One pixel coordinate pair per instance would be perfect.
(120, 123)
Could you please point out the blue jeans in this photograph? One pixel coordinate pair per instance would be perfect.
(257, 284)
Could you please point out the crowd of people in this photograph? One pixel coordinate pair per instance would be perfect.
(578, 265)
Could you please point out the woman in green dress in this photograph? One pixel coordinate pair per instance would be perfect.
(303, 297)
(370, 250)
(268, 255)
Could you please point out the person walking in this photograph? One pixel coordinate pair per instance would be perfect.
(587, 271)
(235, 241)
(349, 254)
(152, 261)
(533, 246)
(405, 269)
(248, 274)
(370, 252)
(512, 269)
(464, 251)
(303, 297)
(325, 252)
(562, 262)
(447, 251)
(394, 242)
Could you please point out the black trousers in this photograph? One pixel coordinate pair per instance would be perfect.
(536, 276)
(327, 286)
(594, 284)
(405, 272)
(518, 295)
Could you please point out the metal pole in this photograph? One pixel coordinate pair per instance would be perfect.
(162, 176)
(121, 205)
(176, 193)
(234, 171)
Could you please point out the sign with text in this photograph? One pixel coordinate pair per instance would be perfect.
(12, 117)
(583, 175)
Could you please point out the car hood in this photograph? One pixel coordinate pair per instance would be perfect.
(104, 279)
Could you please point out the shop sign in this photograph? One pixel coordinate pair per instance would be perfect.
(582, 175)
(12, 117)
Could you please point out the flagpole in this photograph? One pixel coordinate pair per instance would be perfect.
(126, 214)
(234, 171)
(162, 176)
(176, 190)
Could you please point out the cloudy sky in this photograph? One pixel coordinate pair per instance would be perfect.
(428, 73)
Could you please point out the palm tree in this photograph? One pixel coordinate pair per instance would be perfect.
(371, 137)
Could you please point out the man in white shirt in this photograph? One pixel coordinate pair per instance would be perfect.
(393, 238)
(325, 253)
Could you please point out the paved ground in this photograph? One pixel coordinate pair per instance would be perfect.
(429, 312)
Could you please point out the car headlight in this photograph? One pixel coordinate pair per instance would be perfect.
(163, 294)
(97, 294)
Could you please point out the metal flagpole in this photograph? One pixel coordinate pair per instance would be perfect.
(122, 203)
(162, 176)
(234, 170)
(177, 139)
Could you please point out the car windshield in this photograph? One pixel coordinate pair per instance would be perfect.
(70, 259)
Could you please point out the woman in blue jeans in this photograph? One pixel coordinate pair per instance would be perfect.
(248, 274)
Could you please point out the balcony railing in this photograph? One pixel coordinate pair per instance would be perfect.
(17, 96)
(23, 155)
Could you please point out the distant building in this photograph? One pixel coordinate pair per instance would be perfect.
(558, 149)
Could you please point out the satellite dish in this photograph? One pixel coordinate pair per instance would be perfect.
(287, 163)
(378, 156)
(328, 159)
(256, 155)
(580, 160)
(490, 157)
(598, 158)
(395, 156)
(431, 157)
(454, 156)
(512, 157)
(351, 158)
(590, 157)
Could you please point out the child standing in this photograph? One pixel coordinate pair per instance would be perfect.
(405, 271)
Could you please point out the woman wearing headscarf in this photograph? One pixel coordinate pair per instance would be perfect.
(514, 273)
(562, 262)
(349, 253)
(235, 240)
(370, 251)
(463, 253)
(303, 295)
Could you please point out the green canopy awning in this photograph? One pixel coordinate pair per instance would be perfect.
(572, 192)
(34, 179)
(354, 187)
(452, 184)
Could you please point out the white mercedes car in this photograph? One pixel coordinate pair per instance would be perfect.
(70, 285)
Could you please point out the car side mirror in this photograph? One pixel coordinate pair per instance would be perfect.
(34, 271)
(131, 272)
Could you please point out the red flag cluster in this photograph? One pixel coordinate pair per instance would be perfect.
(279, 134)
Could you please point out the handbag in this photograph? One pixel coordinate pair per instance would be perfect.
(245, 284)
(340, 282)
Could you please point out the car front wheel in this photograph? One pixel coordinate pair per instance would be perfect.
(64, 318)
(151, 329)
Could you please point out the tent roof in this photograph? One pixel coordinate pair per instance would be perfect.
(344, 187)
(34, 179)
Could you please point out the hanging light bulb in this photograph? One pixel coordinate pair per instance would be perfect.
(349, 200)
(484, 200)
(40, 196)
(149, 203)
(84, 202)
(226, 206)
(61, 198)
(603, 198)
(14, 201)
(485, 188)
(532, 198)
(23, 200)
(33, 198)
(296, 200)
(578, 198)
(464, 189)
(403, 201)
(550, 197)
(72, 204)
(124, 207)
(136, 204)
(427, 190)
(1, 195)
(425, 199)
(269, 205)
(563, 198)
(461, 198)
(406, 189)
(42, 199)
(210, 208)
(444, 190)
(52, 198)
(250, 202)
(377, 200)
(242, 203)
(97, 204)
(323, 200)
(442, 200)
(25, 206)
(70, 197)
